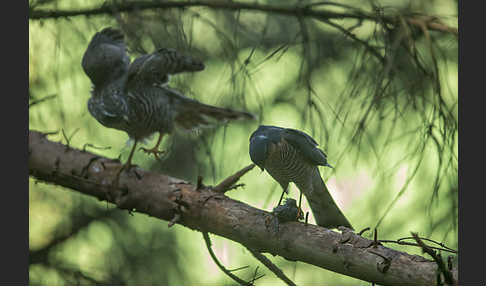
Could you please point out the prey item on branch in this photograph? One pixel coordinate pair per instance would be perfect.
(291, 155)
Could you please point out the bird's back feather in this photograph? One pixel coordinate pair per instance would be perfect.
(306, 145)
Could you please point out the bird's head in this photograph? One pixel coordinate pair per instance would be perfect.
(259, 149)
(262, 141)
(106, 57)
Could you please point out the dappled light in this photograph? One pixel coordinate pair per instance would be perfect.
(373, 82)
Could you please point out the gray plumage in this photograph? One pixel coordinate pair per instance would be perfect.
(155, 68)
(136, 98)
(291, 155)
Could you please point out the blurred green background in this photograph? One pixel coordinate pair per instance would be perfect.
(389, 130)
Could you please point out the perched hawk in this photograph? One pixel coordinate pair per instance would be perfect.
(291, 155)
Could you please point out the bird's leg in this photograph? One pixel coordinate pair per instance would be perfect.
(127, 165)
(300, 215)
(281, 197)
(155, 150)
(285, 189)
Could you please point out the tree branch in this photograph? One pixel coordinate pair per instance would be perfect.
(221, 267)
(204, 210)
(37, 14)
(448, 276)
(272, 267)
(290, 10)
(229, 183)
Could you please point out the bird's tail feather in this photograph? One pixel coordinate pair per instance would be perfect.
(203, 115)
(326, 212)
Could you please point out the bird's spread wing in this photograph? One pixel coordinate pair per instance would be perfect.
(306, 145)
(155, 68)
(108, 36)
(106, 56)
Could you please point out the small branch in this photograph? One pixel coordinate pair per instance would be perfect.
(363, 230)
(290, 10)
(449, 279)
(68, 138)
(401, 242)
(95, 147)
(228, 183)
(239, 268)
(215, 259)
(272, 267)
(37, 14)
(433, 241)
(255, 277)
(40, 100)
(356, 39)
(432, 23)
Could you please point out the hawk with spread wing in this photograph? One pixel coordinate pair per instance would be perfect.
(135, 97)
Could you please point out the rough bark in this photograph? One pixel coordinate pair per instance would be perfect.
(202, 209)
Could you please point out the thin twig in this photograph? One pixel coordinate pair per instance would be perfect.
(37, 14)
(431, 240)
(290, 10)
(449, 279)
(86, 145)
(239, 268)
(37, 101)
(255, 277)
(414, 244)
(363, 230)
(432, 24)
(68, 139)
(356, 39)
(272, 267)
(329, 3)
(401, 242)
(215, 259)
(228, 183)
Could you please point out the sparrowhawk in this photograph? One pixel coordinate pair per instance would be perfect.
(135, 97)
(290, 155)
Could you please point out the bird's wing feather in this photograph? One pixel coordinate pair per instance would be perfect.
(306, 145)
(106, 53)
(155, 68)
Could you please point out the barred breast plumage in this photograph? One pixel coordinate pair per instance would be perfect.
(290, 155)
